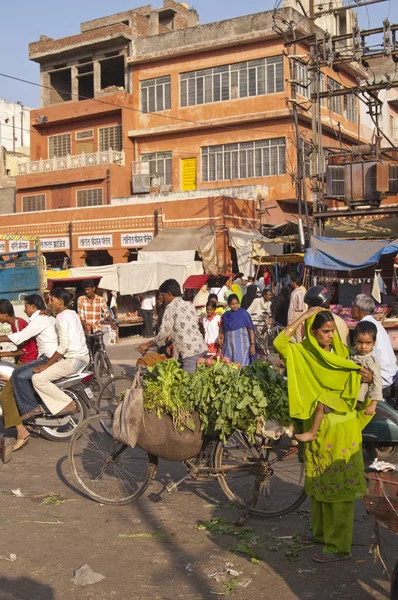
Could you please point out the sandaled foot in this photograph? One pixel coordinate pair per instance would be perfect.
(328, 557)
(20, 443)
(68, 410)
(36, 412)
(306, 437)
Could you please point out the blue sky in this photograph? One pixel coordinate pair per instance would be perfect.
(23, 22)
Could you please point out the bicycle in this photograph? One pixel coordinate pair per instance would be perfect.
(267, 331)
(99, 360)
(265, 478)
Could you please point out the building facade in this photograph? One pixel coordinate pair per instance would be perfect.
(149, 120)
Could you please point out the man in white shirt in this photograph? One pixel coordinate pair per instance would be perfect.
(362, 309)
(70, 357)
(42, 329)
(148, 303)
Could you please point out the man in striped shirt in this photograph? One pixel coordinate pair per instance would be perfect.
(297, 305)
(92, 308)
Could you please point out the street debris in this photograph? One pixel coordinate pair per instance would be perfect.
(220, 574)
(156, 534)
(17, 493)
(10, 558)
(84, 575)
(306, 571)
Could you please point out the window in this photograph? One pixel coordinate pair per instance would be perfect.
(160, 166)
(350, 108)
(393, 179)
(59, 145)
(34, 203)
(110, 137)
(155, 94)
(393, 127)
(322, 88)
(335, 181)
(335, 102)
(302, 77)
(229, 82)
(91, 197)
(307, 151)
(244, 160)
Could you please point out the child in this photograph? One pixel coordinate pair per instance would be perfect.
(365, 338)
(211, 327)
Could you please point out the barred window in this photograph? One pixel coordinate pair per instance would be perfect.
(34, 203)
(307, 151)
(393, 179)
(335, 102)
(110, 137)
(229, 82)
(350, 108)
(302, 77)
(91, 197)
(59, 145)
(156, 94)
(244, 160)
(160, 166)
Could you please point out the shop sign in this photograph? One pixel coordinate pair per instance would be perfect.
(95, 242)
(18, 245)
(2, 246)
(132, 240)
(51, 244)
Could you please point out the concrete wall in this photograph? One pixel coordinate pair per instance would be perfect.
(14, 125)
(7, 200)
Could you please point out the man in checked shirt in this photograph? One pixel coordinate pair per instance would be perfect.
(92, 308)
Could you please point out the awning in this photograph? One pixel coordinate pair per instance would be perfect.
(363, 227)
(137, 278)
(346, 255)
(108, 273)
(195, 282)
(294, 258)
(178, 246)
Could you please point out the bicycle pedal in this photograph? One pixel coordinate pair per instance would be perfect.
(155, 497)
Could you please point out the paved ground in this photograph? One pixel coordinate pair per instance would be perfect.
(155, 551)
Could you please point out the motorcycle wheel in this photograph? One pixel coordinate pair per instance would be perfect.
(65, 432)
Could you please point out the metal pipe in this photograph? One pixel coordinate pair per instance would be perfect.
(108, 186)
(70, 232)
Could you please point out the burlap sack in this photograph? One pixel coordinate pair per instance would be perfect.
(127, 420)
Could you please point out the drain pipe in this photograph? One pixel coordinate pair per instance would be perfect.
(70, 232)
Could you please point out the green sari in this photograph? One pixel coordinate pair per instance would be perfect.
(334, 461)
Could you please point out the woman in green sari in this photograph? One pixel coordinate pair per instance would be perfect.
(319, 370)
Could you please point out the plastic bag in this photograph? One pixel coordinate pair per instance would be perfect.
(127, 420)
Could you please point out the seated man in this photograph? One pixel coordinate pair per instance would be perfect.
(25, 354)
(70, 357)
(91, 308)
(41, 328)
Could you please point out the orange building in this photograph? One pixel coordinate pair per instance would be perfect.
(149, 120)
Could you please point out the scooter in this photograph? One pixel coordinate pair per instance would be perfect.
(59, 429)
(380, 436)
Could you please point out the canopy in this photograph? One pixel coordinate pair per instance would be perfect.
(346, 255)
(108, 273)
(178, 246)
(195, 282)
(249, 241)
(137, 278)
(294, 258)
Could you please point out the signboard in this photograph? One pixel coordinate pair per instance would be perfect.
(18, 245)
(95, 242)
(2, 246)
(51, 244)
(132, 240)
(188, 174)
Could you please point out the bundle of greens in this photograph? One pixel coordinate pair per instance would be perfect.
(225, 396)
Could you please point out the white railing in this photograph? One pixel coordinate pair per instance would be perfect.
(71, 162)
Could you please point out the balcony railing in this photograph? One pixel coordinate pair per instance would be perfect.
(71, 162)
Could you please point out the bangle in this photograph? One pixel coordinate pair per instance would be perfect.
(290, 330)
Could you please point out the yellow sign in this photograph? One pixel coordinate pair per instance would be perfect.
(188, 174)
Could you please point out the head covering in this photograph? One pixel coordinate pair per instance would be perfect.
(237, 319)
(315, 375)
(251, 294)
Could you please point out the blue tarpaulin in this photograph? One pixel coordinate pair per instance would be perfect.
(346, 255)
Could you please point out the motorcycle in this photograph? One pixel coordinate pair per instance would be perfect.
(52, 427)
(380, 436)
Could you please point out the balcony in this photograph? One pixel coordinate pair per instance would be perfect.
(77, 161)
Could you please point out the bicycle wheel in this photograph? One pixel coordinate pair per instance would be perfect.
(113, 391)
(102, 368)
(276, 470)
(108, 471)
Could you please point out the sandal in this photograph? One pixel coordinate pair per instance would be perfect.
(329, 557)
(20, 443)
(36, 412)
(306, 538)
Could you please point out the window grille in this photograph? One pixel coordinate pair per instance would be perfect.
(110, 137)
(91, 197)
(34, 203)
(156, 94)
(335, 181)
(160, 166)
(335, 102)
(59, 145)
(302, 77)
(350, 108)
(393, 179)
(244, 160)
(86, 134)
(230, 82)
